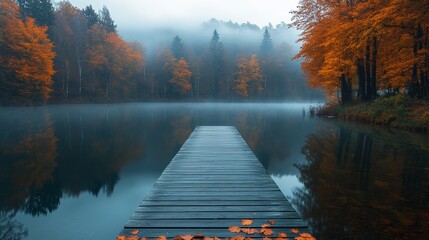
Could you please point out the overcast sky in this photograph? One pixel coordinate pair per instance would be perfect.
(178, 13)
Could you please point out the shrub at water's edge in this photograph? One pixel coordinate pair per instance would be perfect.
(398, 111)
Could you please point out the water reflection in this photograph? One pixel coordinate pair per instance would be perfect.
(358, 184)
(64, 168)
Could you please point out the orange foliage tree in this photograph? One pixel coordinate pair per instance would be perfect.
(367, 47)
(26, 58)
(181, 77)
(248, 77)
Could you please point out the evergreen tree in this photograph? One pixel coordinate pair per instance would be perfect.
(90, 15)
(216, 62)
(266, 44)
(41, 10)
(177, 48)
(106, 20)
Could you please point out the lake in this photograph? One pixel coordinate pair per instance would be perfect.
(79, 171)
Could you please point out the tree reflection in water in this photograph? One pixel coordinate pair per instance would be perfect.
(10, 229)
(358, 185)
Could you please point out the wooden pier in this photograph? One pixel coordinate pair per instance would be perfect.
(212, 183)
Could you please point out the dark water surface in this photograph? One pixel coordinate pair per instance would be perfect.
(79, 171)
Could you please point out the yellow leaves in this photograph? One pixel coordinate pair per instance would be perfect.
(246, 222)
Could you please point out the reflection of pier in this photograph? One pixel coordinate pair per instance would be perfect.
(212, 183)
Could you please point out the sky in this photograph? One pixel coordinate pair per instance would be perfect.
(178, 13)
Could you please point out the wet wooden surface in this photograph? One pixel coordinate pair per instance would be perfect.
(213, 182)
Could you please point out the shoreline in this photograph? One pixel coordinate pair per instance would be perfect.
(397, 112)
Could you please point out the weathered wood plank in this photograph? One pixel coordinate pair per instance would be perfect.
(212, 183)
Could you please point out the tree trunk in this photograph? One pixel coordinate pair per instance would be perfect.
(361, 80)
(368, 71)
(374, 68)
(345, 90)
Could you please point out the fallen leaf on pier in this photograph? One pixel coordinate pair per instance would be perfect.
(272, 222)
(161, 238)
(120, 237)
(135, 231)
(132, 237)
(185, 237)
(249, 231)
(305, 236)
(294, 230)
(266, 238)
(246, 222)
(210, 238)
(282, 235)
(266, 231)
(234, 229)
(265, 225)
(144, 238)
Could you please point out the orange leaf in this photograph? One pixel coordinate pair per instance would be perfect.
(282, 235)
(272, 222)
(265, 225)
(237, 238)
(234, 229)
(135, 231)
(161, 238)
(267, 231)
(120, 237)
(266, 238)
(144, 238)
(305, 236)
(294, 230)
(186, 237)
(246, 222)
(249, 231)
(132, 237)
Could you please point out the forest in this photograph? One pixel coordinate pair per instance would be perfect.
(358, 50)
(58, 53)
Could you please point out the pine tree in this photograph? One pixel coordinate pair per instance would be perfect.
(266, 44)
(106, 20)
(41, 10)
(90, 15)
(177, 48)
(216, 62)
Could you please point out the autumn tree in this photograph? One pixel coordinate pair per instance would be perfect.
(181, 77)
(248, 76)
(365, 45)
(26, 58)
(216, 62)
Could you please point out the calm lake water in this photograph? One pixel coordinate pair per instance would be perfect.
(79, 171)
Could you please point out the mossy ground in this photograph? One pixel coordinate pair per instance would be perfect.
(398, 111)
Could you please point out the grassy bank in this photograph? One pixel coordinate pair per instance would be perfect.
(397, 111)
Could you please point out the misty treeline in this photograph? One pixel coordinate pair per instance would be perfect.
(224, 61)
(64, 54)
(362, 49)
